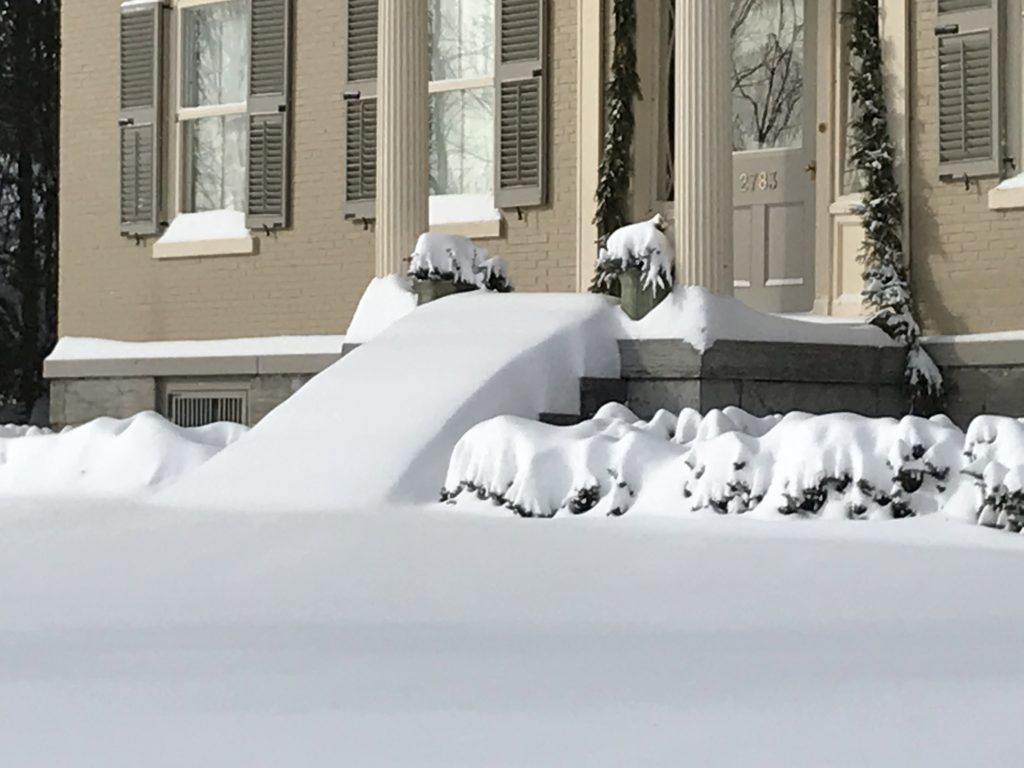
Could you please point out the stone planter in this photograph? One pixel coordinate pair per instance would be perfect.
(431, 290)
(637, 301)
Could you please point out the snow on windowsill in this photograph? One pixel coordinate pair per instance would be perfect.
(76, 348)
(472, 216)
(1009, 194)
(210, 233)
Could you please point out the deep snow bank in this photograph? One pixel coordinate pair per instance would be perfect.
(702, 318)
(838, 466)
(106, 457)
(381, 423)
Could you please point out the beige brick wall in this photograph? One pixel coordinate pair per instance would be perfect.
(967, 260)
(304, 280)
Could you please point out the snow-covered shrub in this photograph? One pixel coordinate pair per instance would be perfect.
(836, 466)
(642, 246)
(994, 459)
(459, 260)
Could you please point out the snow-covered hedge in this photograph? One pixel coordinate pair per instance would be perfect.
(837, 466)
(458, 259)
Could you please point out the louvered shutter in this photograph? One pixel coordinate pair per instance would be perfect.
(969, 88)
(520, 165)
(361, 110)
(139, 123)
(269, 82)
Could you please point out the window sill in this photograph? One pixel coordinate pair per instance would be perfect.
(210, 233)
(474, 230)
(235, 246)
(1006, 198)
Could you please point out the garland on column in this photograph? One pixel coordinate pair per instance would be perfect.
(616, 172)
(886, 283)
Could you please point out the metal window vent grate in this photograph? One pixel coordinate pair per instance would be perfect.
(197, 409)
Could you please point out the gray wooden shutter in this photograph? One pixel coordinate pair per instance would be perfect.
(139, 123)
(970, 114)
(520, 163)
(361, 109)
(269, 81)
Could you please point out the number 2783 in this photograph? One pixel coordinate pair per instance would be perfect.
(759, 182)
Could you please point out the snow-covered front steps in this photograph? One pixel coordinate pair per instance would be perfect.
(380, 424)
(761, 377)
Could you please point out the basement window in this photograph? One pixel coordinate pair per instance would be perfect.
(198, 408)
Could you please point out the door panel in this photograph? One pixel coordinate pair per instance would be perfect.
(774, 143)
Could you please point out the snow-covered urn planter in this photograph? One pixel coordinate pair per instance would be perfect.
(642, 258)
(442, 265)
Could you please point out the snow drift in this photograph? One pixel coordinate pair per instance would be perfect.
(838, 466)
(381, 423)
(106, 457)
(701, 318)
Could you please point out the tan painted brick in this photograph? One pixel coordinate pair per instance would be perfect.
(966, 259)
(304, 280)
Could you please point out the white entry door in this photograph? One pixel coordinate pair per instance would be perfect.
(774, 150)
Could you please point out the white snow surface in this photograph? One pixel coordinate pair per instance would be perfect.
(385, 301)
(702, 318)
(391, 638)
(21, 430)
(104, 458)
(380, 424)
(77, 348)
(462, 209)
(206, 225)
(1014, 182)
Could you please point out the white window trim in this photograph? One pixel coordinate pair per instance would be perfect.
(237, 246)
(1009, 194)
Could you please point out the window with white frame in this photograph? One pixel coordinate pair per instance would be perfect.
(462, 97)
(213, 88)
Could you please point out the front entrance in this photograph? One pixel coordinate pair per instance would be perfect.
(774, 61)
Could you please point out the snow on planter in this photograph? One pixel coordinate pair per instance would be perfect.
(837, 466)
(642, 246)
(457, 259)
(106, 457)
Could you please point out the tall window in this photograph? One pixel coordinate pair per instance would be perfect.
(462, 97)
(214, 86)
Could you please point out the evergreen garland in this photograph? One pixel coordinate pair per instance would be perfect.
(616, 172)
(886, 282)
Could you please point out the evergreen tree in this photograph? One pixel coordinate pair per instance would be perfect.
(29, 131)
(616, 171)
(886, 280)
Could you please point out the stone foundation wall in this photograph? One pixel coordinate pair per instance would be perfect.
(76, 401)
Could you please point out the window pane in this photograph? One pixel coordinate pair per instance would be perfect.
(215, 163)
(768, 73)
(462, 39)
(462, 142)
(215, 53)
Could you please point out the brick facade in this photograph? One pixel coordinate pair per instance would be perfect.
(965, 257)
(305, 280)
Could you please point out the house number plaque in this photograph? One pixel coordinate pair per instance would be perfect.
(759, 182)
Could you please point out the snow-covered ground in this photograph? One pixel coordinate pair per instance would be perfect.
(135, 637)
(105, 458)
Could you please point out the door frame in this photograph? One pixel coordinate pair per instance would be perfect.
(838, 229)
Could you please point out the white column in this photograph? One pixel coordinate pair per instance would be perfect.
(403, 150)
(703, 166)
